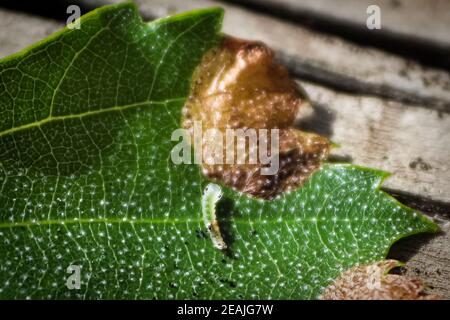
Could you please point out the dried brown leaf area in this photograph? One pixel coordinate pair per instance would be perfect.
(373, 282)
(238, 85)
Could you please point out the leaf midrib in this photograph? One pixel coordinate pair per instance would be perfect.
(36, 223)
(86, 114)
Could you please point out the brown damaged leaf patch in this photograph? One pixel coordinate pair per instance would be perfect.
(373, 282)
(238, 85)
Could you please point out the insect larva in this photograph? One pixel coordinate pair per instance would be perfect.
(211, 195)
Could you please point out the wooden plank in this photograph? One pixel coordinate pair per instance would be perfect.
(428, 257)
(426, 20)
(18, 30)
(347, 119)
(323, 58)
(411, 143)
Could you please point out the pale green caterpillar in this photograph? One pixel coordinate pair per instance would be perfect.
(211, 195)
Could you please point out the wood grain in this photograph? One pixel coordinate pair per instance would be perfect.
(411, 143)
(427, 257)
(415, 19)
(19, 30)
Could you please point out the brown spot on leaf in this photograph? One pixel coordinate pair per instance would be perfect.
(238, 85)
(374, 282)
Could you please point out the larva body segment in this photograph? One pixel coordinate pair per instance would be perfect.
(212, 195)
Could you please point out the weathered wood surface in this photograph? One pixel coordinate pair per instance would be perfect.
(372, 130)
(428, 257)
(424, 20)
(18, 30)
(412, 143)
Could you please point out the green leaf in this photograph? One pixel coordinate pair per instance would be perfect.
(86, 179)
